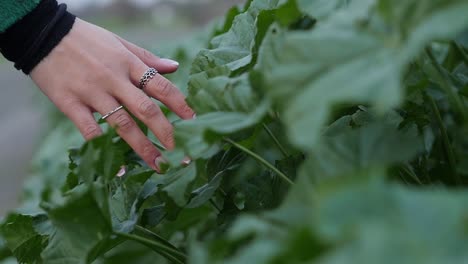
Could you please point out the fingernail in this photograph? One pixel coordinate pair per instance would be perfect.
(186, 161)
(169, 61)
(194, 116)
(161, 164)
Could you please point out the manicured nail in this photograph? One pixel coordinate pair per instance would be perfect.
(161, 164)
(186, 161)
(194, 116)
(169, 61)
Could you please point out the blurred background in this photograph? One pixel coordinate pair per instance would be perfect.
(25, 113)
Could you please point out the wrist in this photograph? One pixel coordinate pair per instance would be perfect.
(32, 38)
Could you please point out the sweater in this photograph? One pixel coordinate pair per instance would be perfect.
(29, 36)
(13, 10)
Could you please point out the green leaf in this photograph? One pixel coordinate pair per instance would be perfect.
(176, 182)
(152, 216)
(205, 192)
(130, 252)
(26, 236)
(355, 214)
(80, 223)
(128, 198)
(102, 156)
(228, 20)
(464, 91)
(201, 137)
(225, 106)
(222, 94)
(221, 167)
(5, 252)
(346, 222)
(373, 145)
(232, 50)
(213, 94)
(460, 143)
(321, 8)
(319, 73)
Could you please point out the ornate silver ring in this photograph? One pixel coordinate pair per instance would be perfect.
(147, 76)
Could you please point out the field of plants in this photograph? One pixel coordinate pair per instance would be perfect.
(327, 131)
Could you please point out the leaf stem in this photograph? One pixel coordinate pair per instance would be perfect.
(445, 140)
(406, 169)
(275, 139)
(260, 159)
(447, 87)
(172, 254)
(154, 236)
(212, 202)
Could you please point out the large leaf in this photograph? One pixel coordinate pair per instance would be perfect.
(222, 94)
(361, 220)
(26, 236)
(232, 50)
(370, 224)
(308, 72)
(237, 108)
(378, 143)
(128, 197)
(176, 182)
(321, 8)
(81, 225)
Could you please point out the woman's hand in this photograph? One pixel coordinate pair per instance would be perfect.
(93, 70)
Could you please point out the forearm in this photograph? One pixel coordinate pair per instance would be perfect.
(13, 10)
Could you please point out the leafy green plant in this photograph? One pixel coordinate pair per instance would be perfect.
(327, 132)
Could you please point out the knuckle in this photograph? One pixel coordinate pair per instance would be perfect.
(147, 108)
(131, 59)
(91, 131)
(148, 151)
(124, 122)
(69, 104)
(146, 55)
(167, 136)
(70, 101)
(185, 109)
(128, 57)
(164, 88)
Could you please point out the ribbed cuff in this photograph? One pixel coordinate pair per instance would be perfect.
(18, 40)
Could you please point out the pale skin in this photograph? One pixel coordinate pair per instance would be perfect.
(94, 70)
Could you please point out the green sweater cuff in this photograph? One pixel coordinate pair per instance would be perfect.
(13, 10)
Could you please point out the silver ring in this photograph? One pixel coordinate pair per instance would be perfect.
(104, 117)
(147, 76)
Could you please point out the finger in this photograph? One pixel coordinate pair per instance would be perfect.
(148, 112)
(161, 65)
(163, 90)
(83, 119)
(127, 128)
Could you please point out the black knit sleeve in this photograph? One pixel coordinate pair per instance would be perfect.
(33, 37)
